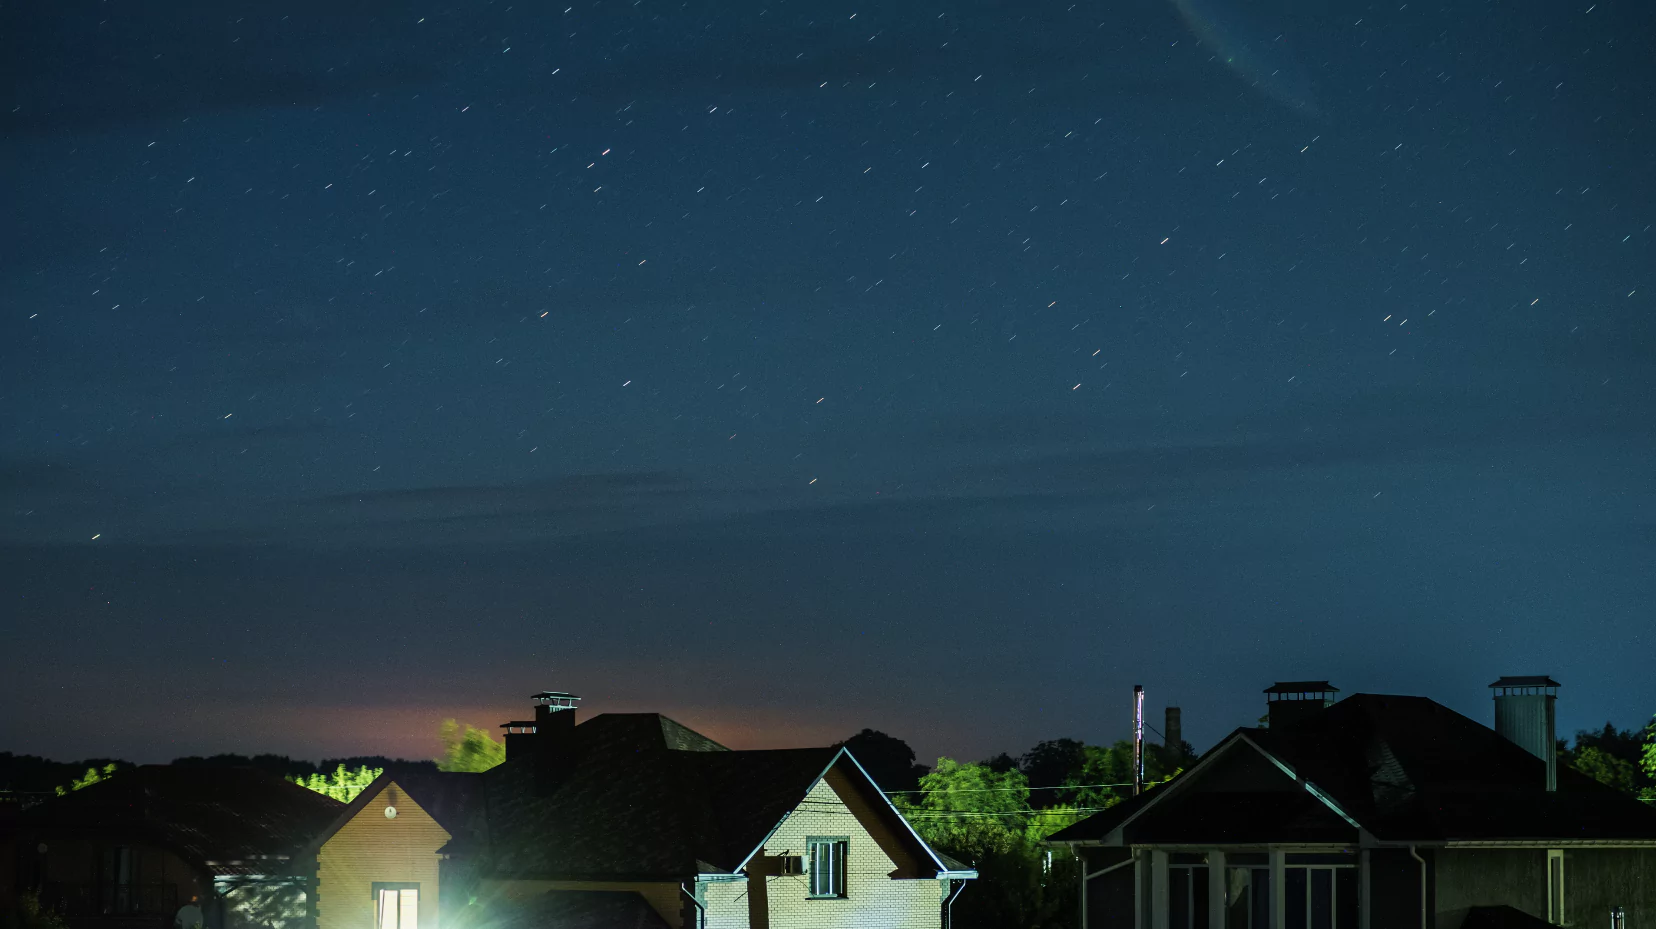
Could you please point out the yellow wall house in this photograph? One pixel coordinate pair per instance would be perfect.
(377, 864)
(631, 819)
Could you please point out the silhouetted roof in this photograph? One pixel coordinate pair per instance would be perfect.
(225, 820)
(444, 795)
(579, 909)
(1405, 769)
(1301, 687)
(647, 798)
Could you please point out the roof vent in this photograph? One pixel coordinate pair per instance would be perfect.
(1289, 702)
(1526, 715)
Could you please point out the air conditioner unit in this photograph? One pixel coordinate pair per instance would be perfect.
(790, 864)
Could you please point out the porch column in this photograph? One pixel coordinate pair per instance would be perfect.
(1216, 889)
(1279, 893)
(1158, 890)
(1365, 900)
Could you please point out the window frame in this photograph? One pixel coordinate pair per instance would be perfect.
(1557, 882)
(840, 847)
(376, 891)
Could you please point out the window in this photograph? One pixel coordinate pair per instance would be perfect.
(1187, 896)
(827, 862)
(1555, 886)
(1320, 897)
(1248, 898)
(397, 906)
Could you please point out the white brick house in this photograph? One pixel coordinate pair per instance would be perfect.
(634, 820)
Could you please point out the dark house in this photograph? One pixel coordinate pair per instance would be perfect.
(631, 819)
(1374, 812)
(128, 852)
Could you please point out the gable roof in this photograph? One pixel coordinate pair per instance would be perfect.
(1404, 769)
(634, 806)
(443, 795)
(222, 820)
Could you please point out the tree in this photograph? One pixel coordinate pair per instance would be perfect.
(467, 748)
(887, 759)
(982, 816)
(343, 785)
(92, 776)
(1106, 774)
(1620, 758)
(1647, 760)
(1606, 768)
(1051, 764)
(29, 914)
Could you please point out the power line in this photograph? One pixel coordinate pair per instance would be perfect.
(987, 790)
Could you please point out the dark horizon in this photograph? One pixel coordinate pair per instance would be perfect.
(794, 368)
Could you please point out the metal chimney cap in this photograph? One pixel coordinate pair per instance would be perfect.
(554, 700)
(1533, 680)
(1283, 690)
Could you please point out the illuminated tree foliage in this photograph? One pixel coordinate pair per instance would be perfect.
(467, 748)
(92, 776)
(1621, 758)
(982, 816)
(342, 785)
(29, 914)
(1648, 761)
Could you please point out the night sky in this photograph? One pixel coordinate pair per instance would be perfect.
(792, 367)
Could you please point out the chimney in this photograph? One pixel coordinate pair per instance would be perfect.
(1289, 702)
(1172, 736)
(1525, 714)
(549, 738)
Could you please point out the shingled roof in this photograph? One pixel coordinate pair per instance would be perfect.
(1405, 769)
(223, 820)
(647, 799)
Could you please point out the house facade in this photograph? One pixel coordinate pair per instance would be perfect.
(1374, 812)
(129, 852)
(377, 863)
(634, 819)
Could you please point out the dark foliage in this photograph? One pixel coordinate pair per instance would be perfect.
(887, 759)
(33, 774)
(1000, 764)
(1052, 763)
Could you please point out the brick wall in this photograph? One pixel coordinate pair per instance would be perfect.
(873, 899)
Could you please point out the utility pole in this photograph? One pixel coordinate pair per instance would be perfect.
(1138, 739)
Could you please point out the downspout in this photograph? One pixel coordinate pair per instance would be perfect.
(948, 905)
(1416, 856)
(701, 908)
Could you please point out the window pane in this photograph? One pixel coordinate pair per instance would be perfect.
(1238, 898)
(1295, 896)
(388, 909)
(408, 916)
(1322, 898)
(840, 849)
(1261, 898)
(1178, 898)
(1345, 899)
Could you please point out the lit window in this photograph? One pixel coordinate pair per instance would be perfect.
(1555, 886)
(397, 906)
(827, 862)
